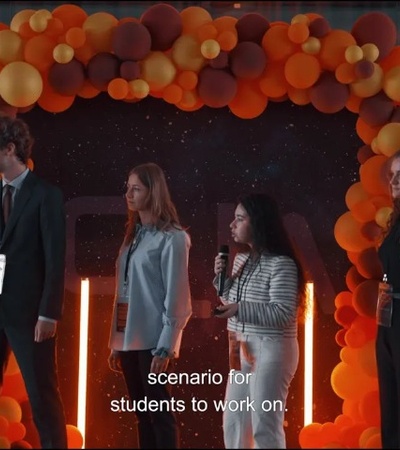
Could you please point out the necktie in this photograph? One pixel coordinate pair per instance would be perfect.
(7, 202)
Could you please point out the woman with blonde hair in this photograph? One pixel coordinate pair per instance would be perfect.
(152, 301)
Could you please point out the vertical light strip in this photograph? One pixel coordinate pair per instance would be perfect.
(308, 354)
(83, 352)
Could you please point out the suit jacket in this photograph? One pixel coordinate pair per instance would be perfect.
(34, 242)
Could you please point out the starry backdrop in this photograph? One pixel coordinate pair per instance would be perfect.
(306, 159)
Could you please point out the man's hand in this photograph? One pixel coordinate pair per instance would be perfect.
(45, 330)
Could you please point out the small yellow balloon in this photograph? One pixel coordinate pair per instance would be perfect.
(139, 88)
(63, 53)
(300, 18)
(38, 21)
(370, 52)
(353, 54)
(20, 84)
(312, 45)
(210, 49)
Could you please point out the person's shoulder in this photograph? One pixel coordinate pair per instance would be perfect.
(279, 259)
(178, 234)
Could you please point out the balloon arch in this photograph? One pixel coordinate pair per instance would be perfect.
(189, 59)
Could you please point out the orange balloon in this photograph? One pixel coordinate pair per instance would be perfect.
(353, 102)
(249, 102)
(70, 15)
(343, 298)
(348, 234)
(298, 32)
(333, 48)
(355, 193)
(298, 96)
(88, 90)
(302, 70)
(344, 73)
(38, 51)
(273, 82)
(373, 176)
(53, 102)
(193, 18)
(74, 437)
(366, 132)
(188, 80)
(75, 37)
(173, 93)
(365, 297)
(276, 43)
(118, 88)
(227, 40)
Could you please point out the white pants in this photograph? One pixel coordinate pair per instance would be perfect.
(268, 365)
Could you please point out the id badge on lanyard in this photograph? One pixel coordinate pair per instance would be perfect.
(384, 307)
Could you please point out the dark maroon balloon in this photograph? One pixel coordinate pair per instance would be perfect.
(221, 61)
(376, 110)
(131, 41)
(376, 28)
(164, 24)
(103, 68)
(395, 117)
(130, 70)
(67, 79)
(364, 153)
(247, 60)
(216, 87)
(252, 27)
(319, 27)
(328, 95)
(364, 69)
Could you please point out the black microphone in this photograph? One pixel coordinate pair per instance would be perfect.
(224, 253)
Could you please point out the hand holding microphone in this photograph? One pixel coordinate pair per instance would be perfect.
(221, 263)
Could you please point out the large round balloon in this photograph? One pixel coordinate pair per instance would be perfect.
(131, 41)
(20, 84)
(67, 79)
(164, 24)
(216, 87)
(247, 60)
(376, 28)
(328, 95)
(251, 27)
(101, 69)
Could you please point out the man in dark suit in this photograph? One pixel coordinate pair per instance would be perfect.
(33, 240)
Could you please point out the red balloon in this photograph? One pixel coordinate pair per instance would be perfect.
(67, 79)
(131, 41)
(247, 60)
(376, 28)
(101, 69)
(365, 152)
(164, 23)
(130, 70)
(319, 27)
(376, 110)
(369, 265)
(216, 87)
(328, 95)
(221, 61)
(252, 27)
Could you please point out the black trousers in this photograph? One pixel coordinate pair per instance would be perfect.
(388, 363)
(37, 362)
(157, 429)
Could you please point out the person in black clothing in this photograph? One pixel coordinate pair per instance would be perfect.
(388, 335)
